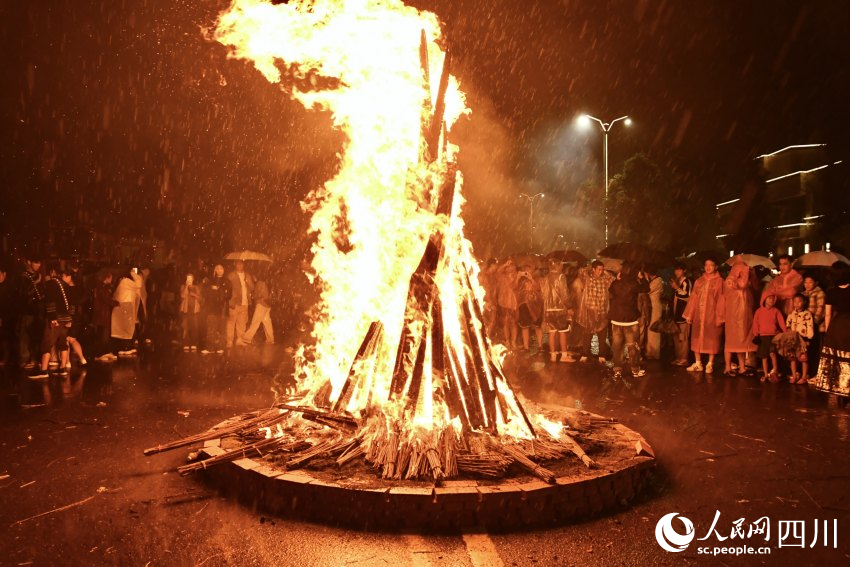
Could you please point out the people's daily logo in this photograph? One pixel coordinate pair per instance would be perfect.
(667, 536)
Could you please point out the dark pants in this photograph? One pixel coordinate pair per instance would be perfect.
(587, 340)
(100, 338)
(625, 336)
(214, 337)
(190, 328)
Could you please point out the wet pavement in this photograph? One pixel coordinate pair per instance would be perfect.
(75, 488)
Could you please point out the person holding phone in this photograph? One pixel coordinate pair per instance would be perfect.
(190, 310)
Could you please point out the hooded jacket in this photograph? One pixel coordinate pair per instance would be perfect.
(768, 320)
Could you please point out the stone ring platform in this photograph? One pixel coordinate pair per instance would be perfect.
(362, 500)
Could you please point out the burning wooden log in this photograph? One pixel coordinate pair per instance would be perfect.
(366, 351)
(312, 412)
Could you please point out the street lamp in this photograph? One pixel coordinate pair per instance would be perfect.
(531, 199)
(585, 121)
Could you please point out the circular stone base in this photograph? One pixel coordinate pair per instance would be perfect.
(367, 502)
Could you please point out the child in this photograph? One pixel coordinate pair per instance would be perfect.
(800, 321)
(767, 323)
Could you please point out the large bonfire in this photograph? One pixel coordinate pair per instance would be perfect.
(400, 372)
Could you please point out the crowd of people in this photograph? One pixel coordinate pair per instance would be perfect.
(52, 315)
(782, 325)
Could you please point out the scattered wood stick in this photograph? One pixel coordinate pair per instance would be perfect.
(60, 509)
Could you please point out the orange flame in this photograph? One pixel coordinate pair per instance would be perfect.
(373, 219)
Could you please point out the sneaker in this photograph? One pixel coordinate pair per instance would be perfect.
(38, 374)
(639, 373)
(583, 359)
(186, 348)
(220, 351)
(104, 358)
(205, 351)
(680, 363)
(601, 360)
(132, 352)
(83, 362)
(709, 368)
(567, 357)
(618, 373)
(695, 367)
(53, 364)
(553, 356)
(193, 348)
(29, 365)
(62, 372)
(111, 356)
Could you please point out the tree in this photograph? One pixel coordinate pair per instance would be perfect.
(647, 207)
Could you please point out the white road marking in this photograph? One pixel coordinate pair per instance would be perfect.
(420, 551)
(482, 552)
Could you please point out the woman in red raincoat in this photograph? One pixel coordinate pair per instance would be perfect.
(701, 313)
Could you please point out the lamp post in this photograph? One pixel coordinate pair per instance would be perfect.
(585, 119)
(531, 199)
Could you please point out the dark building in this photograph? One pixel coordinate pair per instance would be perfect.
(797, 202)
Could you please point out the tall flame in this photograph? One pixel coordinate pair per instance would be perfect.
(360, 61)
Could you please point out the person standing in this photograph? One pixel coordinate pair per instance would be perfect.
(801, 323)
(768, 322)
(31, 305)
(649, 338)
(508, 307)
(785, 286)
(59, 312)
(125, 314)
(242, 289)
(262, 313)
(736, 313)
(190, 309)
(592, 314)
(556, 311)
(701, 313)
(817, 307)
(625, 316)
(530, 311)
(216, 296)
(681, 286)
(102, 305)
(834, 370)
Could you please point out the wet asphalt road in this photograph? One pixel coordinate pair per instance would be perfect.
(731, 445)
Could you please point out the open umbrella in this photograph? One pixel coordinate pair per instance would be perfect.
(752, 260)
(820, 258)
(247, 255)
(568, 256)
(638, 254)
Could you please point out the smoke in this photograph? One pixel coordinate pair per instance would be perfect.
(500, 165)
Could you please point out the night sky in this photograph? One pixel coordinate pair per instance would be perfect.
(122, 117)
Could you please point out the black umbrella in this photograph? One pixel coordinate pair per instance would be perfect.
(568, 256)
(638, 254)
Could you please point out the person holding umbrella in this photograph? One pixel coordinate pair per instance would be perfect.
(834, 370)
(242, 290)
